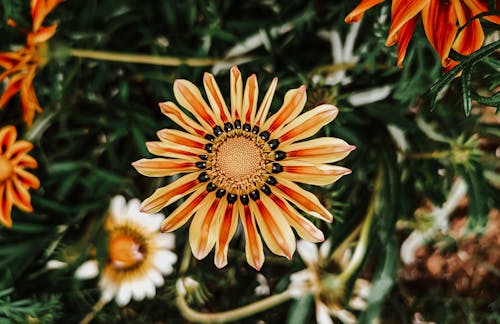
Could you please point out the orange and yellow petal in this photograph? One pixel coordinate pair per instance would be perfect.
(250, 96)
(5, 206)
(292, 106)
(202, 231)
(182, 214)
(182, 138)
(404, 36)
(266, 103)
(402, 12)
(215, 98)
(471, 37)
(357, 13)
(318, 174)
(227, 228)
(253, 244)
(160, 167)
(174, 150)
(479, 6)
(236, 84)
(439, 19)
(173, 112)
(318, 150)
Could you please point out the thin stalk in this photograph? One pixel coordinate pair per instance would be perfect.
(428, 155)
(231, 315)
(362, 246)
(96, 309)
(141, 58)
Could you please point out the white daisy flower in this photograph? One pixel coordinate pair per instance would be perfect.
(138, 254)
(327, 289)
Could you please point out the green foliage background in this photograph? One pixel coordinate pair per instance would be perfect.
(97, 116)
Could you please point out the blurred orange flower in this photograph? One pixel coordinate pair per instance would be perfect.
(14, 180)
(21, 65)
(442, 20)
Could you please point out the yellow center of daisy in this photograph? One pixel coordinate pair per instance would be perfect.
(6, 168)
(125, 251)
(238, 163)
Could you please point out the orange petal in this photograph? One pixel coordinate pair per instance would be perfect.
(13, 88)
(236, 93)
(479, 6)
(302, 199)
(5, 206)
(440, 27)
(184, 212)
(273, 226)
(215, 98)
(8, 135)
(18, 150)
(160, 167)
(253, 244)
(27, 161)
(173, 112)
(471, 37)
(189, 97)
(303, 226)
(401, 13)
(318, 150)
(404, 36)
(20, 195)
(307, 124)
(174, 150)
(227, 228)
(357, 13)
(292, 106)
(182, 138)
(203, 229)
(43, 34)
(250, 97)
(169, 194)
(27, 179)
(266, 103)
(314, 174)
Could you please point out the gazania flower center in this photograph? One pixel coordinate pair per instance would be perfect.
(125, 251)
(5, 168)
(238, 164)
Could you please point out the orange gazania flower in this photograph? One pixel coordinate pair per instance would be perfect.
(14, 180)
(441, 20)
(21, 65)
(240, 163)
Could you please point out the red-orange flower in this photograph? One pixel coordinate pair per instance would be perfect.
(240, 163)
(21, 65)
(14, 180)
(441, 20)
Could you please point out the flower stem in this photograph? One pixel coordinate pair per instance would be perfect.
(141, 58)
(362, 246)
(428, 155)
(96, 309)
(234, 314)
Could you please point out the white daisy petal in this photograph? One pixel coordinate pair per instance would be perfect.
(322, 314)
(308, 252)
(150, 289)
(88, 270)
(164, 261)
(156, 277)
(124, 294)
(118, 207)
(165, 241)
(138, 290)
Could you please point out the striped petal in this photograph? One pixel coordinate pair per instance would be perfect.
(440, 27)
(404, 35)
(203, 232)
(316, 174)
(20, 195)
(5, 206)
(174, 150)
(266, 103)
(189, 97)
(303, 226)
(307, 124)
(292, 106)
(273, 226)
(160, 167)
(18, 151)
(303, 199)
(27, 179)
(184, 212)
(226, 228)
(402, 12)
(169, 194)
(253, 244)
(357, 13)
(318, 150)
(471, 37)
(250, 97)
(173, 112)
(13, 88)
(215, 98)
(8, 135)
(236, 93)
(479, 6)
(42, 35)
(27, 161)
(182, 138)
